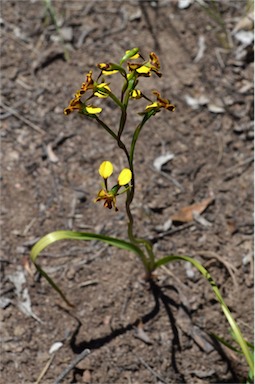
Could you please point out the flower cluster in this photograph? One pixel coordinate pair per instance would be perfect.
(131, 68)
(131, 76)
(109, 196)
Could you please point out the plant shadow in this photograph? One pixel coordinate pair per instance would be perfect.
(160, 298)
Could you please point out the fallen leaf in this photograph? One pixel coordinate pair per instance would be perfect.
(55, 347)
(196, 102)
(185, 215)
(201, 220)
(18, 279)
(245, 37)
(215, 108)
(161, 160)
(201, 49)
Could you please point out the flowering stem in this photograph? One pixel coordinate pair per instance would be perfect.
(148, 246)
(149, 261)
(123, 117)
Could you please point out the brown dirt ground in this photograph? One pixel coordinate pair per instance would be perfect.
(213, 154)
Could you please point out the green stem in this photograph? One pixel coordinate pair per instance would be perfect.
(135, 240)
(136, 135)
(123, 117)
(150, 261)
(110, 131)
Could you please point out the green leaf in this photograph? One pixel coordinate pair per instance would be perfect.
(70, 235)
(226, 343)
(238, 335)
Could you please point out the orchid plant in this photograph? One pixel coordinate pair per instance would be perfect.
(130, 68)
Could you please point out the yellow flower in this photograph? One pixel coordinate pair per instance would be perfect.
(109, 196)
(145, 69)
(110, 200)
(107, 69)
(157, 105)
(75, 104)
(89, 84)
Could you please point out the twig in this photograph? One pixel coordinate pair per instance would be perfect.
(234, 167)
(167, 176)
(45, 369)
(151, 370)
(22, 118)
(26, 230)
(5, 115)
(75, 361)
(174, 181)
(229, 267)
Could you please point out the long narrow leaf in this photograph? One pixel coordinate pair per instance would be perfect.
(239, 337)
(67, 235)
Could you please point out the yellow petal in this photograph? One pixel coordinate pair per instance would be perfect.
(102, 90)
(124, 177)
(104, 85)
(153, 105)
(136, 94)
(136, 56)
(101, 95)
(107, 73)
(105, 169)
(143, 69)
(93, 110)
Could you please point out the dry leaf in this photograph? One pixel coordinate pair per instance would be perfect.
(185, 215)
(51, 155)
(55, 347)
(215, 108)
(196, 102)
(246, 22)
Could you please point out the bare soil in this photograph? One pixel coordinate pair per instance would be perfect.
(136, 332)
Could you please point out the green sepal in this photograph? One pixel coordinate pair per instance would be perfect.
(131, 53)
(115, 190)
